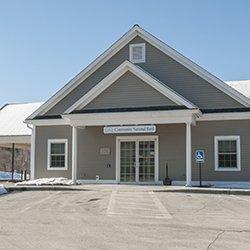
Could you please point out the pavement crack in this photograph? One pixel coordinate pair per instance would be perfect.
(215, 239)
(203, 207)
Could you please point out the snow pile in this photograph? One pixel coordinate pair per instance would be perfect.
(7, 176)
(2, 190)
(234, 185)
(46, 181)
(242, 86)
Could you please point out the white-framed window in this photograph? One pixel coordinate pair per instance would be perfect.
(137, 53)
(57, 154)
(227, 153)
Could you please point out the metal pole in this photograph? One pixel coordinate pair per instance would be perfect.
(200, 173)
(13, 161)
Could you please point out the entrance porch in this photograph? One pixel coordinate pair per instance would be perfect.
(131, 158)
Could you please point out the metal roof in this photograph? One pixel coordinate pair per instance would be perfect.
(12, 117)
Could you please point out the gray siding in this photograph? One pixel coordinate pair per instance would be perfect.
(171, 150)
(173, 74)
(129, 91)
(44, 133)
(203, 138)
(91, 163)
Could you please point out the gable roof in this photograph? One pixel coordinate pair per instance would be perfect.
(137, 71)
(12, 118)
(243, 86)
(132, 33)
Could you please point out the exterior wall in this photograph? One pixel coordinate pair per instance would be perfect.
(43, 133)
(203, 138)
(171, 150)
(91, 163)
(161, 66)
(129, 91)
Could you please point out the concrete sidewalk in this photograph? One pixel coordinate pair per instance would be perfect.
(130, 188)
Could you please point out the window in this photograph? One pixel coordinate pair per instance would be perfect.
(137, 53)
(227, 153)
(57, 154)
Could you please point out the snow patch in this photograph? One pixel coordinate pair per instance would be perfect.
(7, 176)
(2, 190)
(232, 185)
(242, 86)
(46, 181)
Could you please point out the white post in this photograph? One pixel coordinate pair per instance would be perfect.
(33, 153)
(74, 154)
(188, 156)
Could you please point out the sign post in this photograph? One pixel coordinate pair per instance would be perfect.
(200, 158)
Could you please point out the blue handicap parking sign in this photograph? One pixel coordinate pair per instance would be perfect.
(200, 156)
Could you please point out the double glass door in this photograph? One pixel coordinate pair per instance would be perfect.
(137, 160)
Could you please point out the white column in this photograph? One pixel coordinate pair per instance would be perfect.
(74, 154)
(188, 155)
(32, 153)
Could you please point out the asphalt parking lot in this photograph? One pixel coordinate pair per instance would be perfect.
(123, 219)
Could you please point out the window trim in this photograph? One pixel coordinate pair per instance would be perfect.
(216, 152)
(50, 141)
(131, 46)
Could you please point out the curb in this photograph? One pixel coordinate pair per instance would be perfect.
(208, 191)
(180, 190)
(43, 188)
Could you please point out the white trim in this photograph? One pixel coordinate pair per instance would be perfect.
(47, 122)
(16, 139)
(188, 155)
(224, 138)
(216, 82)
(85, 73)
(136, 139)
(225, 116)
(131, 118)
(127, 37)
(33, 153)
(131, 47)
(65, 141)
(116, 74)
(201, 118)
(74, 154)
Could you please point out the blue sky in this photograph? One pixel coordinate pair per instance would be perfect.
(43, 44)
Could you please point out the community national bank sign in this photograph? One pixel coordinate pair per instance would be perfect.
(129, 129)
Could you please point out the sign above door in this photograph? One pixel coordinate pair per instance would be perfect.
(129, 129)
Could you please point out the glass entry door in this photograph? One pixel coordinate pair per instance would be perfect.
(146, 161)
(138, 159)
(127, 161)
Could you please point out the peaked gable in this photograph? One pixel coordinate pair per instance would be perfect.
(118, 52)
(137, 71)
(129, 91)
(184, 81)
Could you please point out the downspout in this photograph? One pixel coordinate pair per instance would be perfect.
(32, 151)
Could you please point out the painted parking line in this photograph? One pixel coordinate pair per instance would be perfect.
(136, 204)
(111, 204)
(238, 198)
(39, 202)
(160, 206)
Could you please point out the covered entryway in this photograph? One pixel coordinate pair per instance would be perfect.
(137, 159)
(131, 170)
